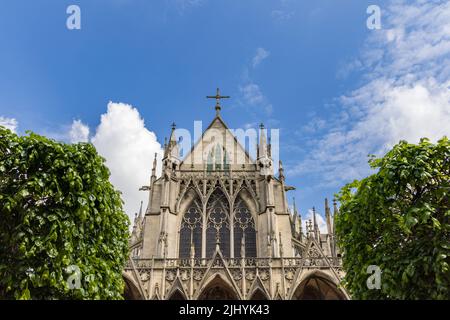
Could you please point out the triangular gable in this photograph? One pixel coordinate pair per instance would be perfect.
(218, 263)
(258, 284)
(278, 295)
(220, 130)
(311, 244)
(137, 278)
(177, 285)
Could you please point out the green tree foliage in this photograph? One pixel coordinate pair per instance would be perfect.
(399, 220)
(59, 215)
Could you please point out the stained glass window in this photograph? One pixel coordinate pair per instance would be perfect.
(218, 227)
(191, 231)
(209, 163)
(218, 157)
(244, 230)
(226, 161)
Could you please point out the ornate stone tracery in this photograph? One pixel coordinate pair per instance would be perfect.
(217, 228)
(191, 231)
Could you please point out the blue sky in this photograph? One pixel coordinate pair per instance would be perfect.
(327, 82)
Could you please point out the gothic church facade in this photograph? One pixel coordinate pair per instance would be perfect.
(218, 226)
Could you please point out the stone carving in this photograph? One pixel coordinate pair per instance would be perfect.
(237, 275)
(170, 275)
(208, 202)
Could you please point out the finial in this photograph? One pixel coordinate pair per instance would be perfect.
(328, 217)
(140, 210)
(217, 97)
(261, 126)
(314, 217)
(295, 207)
(281, 172)
(174, 126)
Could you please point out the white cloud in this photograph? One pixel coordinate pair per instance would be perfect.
(183, 5)
(282, 15)
(253, 97)
(252, 93)
(79, 132)
(129, 148)
(9, 123)
(261, 54)
(405, 94)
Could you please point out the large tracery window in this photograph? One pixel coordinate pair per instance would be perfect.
(244, 231)
(218, 224)
(191, 231)
(218, 229)
(218, 159)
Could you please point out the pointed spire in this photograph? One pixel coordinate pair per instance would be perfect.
(314, 218)
(328, 217)
(281, 174)
(154, 166)
(165, 147)
(172, 134)
(171, 148)
(296, 215)
(335, 213)
(134, 231)
(295, 206)
(135, 221)
(300, 226)
(140, 212)
(262, 150)
(316, 226)
(297, 221)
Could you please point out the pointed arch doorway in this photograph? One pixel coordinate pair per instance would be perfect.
(131, 291)
(318, 288)
(177, 295)
(258, 295)
(218, 289)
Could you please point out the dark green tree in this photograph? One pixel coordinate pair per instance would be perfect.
(399, 220)
(63, 232)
